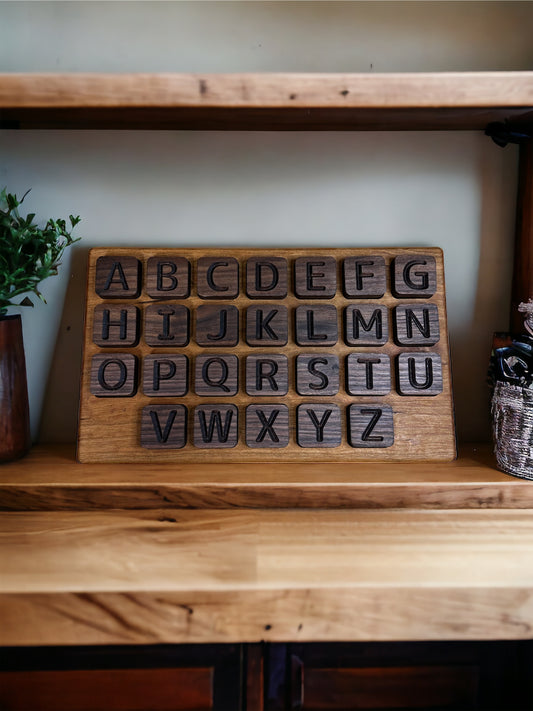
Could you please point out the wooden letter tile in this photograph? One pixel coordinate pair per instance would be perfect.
(318, 425)
(316, 325)
(166, 325)
(370, 426)
(317, 374)
(267, 426)
(216, 375)
(114, 375)
(267, 325)
(164, 426)
(168, 277)
(416, 325)
(118, 277)
(218, 278)
(315, 277)
(267, 375)
(364, 277)
(414, 275)
(165, 375)
(116, 325)
(216, 426)
(419, 374)
(217, 326)
(266, 278)
(368, 374)
(366, 325)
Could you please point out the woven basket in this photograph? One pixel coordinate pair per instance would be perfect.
(512, 429)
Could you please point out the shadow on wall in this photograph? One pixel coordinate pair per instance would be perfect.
(59, 418)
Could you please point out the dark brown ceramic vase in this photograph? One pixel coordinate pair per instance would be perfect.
(15, 438)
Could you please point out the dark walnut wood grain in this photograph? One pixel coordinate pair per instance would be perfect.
(364, 277)
(315, 277)
(267, 426)
(217, 277)
(368, 373)
(165, 375)
(317, 374)
(168, 277)
(166, 325)
(267, 375)
(318, 425)
(316, 325)
(267, 325)
(114, 375)
(217, 326)
(366, 324)
(216, 375)
(416, 325)
(419, 374)
(118, 277)
(267, 277)
(164, 426)
(216, 426)
(414, 275)
(116, 325)
(370, 425)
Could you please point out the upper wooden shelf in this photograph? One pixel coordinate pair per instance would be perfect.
(50, 479)
(458, 101)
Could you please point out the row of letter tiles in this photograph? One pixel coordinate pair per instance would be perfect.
(217, 326)
(115, 375)
(120, 277)
(266, 426)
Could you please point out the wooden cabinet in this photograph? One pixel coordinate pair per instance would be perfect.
(118, 678)
(442, 675)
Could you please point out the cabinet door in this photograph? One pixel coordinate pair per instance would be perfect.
(390, 676)
(191, 678)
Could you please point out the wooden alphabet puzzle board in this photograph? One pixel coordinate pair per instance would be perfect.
(241, 355)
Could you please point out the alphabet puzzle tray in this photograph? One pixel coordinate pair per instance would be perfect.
(242, 355)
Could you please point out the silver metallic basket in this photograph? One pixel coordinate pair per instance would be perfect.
(512, 429)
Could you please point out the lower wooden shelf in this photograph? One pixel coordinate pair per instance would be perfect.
(207, 576)
(49, 478)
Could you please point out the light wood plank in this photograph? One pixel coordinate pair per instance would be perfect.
(408, 90)
(469, 100)
(226, 576)
(49, 478)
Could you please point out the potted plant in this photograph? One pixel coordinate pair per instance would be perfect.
(28, 255)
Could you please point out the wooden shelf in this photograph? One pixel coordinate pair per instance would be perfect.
(173, 576)
(49, 478)
(420, 101)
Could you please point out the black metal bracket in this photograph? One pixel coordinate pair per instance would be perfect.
(504, 133)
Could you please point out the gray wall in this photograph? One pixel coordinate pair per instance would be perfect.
(453, 190)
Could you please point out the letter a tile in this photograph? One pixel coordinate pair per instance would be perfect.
(118, 277)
